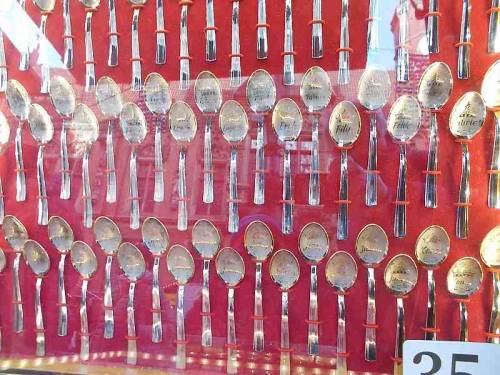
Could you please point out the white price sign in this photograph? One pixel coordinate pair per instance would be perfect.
(450, 358)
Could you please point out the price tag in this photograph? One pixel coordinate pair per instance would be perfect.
(450, 358)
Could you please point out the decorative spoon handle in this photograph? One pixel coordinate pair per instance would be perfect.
(233, 221)
(287, 216)
(288, 58)
(493, 34)
(231, 334)
(400, 211)
(134, 191)
(20, 173)
(65, 173)
(235, 46)
(3, 66)
(43, 203)
(314, 182)
(341, 337)
(343, 221)
(312, 336)
(210, 41)
(371, 176)
(113, 35)
(494, 182)
(432, 165)
(371, 320)
(462, 226)
(373, 25)
(344, 74)
(43, 56)
(403, 56)
(463, 69)
(159, 192)
(206, 322)
(430, 321)
(180, 360)
(261, 30)
(464, 329)
(494, 326)
(208, 177)
(84, 337)
(132, 343)
(317, 31)
(260, 165)
(285, 336)
(108, 300)
(62, 322)
(400, 337)
(258, 324)
(161, 44)
(16, 295)
(182, 214)
(136, 53)
(433, 27)
(87, 193)
(24, 62)
(89, 54)
(184, 50)
(110, 166)
(155, 291)
(40, 331)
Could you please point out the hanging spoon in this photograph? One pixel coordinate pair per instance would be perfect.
(235, 79)
(67, 36)
(464, 46)
(493, 34)
(91, 6)
(85, 263)
(344, 75)
(317, 30)
(180, 264)
(108, 236)
(3, 65)
(261, 30)
(161, 44)
(155, 237)
(210, 40)
(184, 48)
(136, 84)
(372, 36)
(288, 54)
(45, 7)
(432, 30)
(206, 240)
(403, 55)
(113, 35)
(24, 51)
(4, 143)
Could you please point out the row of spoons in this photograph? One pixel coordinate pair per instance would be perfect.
(431, 250)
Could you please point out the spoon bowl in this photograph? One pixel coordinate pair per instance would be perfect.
(261, 91)
(36, 258)
(133, 124)
(205, 238)
(435, 86)
(345, 124)
(230, 266)
(40, 124)
(372, 245)
(90, 4)
(490, 89)
(155, 236)
(180, 264)
(18, 99)
(84, 127)
(432, 246)
(464, 277)
(157, 94)
(315, 89)
(45, 5)
(404, 118)
(341, 271)
(131, 261)
(467, 116)
(108, 96)
(284, 269)
(258, 240)
(287, 120)
(313, 242)
(182, 121)
(490, 248)
(401, 275)
(107, 235)
(207, 93)
(60, 234)
(83, 259)
(374, 88)
(233, 121)
(14, 232)
(62, 96)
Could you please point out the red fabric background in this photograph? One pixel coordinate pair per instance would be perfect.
(482, 218)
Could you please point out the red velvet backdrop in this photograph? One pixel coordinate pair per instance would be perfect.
(482, 218)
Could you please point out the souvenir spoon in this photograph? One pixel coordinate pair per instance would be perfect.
(90, 7)
(431, 249)
(235, 80)
(208, 98)
(402, 125)
(4, 143)
(182, 121)
(490, 90)
(372, 36)
(184, 48)
(161, 44)
(341, 272)
(155, 237)
(261, 30)
(400, 277)
(38, 260)
(344, 50)
(158, 100)
(313, 245)
(287, 124)
(108, 236)
(133, 125)
(85, 130)
(180, 264)
(24, 62)
(374, 89)
(434, 90)
(490, 255)
(285, 272)
(63, 99)
(463, 280)
(206, 240)
(42, 131)
(3, 65)
(433, 27)
(344, 127)
(85, 263)
(466, 120)
(315, 92)
(136, 84)
(261, 96)
(233, 122)
(493, 35)
(61, 236)
(317, 31)
(259, 243)
(19, 104)
(133, 266)
(16, 235)
(45, 7)
(110, 103)
(2, 267)
(371, 248)
(210, 41)
(113, 35)
(464, 46)
(403, 55)
(67, 37)
(288, 53)
(231, 269)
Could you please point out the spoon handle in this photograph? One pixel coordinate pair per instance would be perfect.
(344, 75)
(235, 46)
(258, 324)
(341, 337)
(208, 177)
(285, 336)
(288, 58)
(403, 56)
(464, 329)
(108, 300)
(430, 197)
(84, 337)
(159, 192)
(161, 44)
(261, 30)
(233, 221)
(463, 69)
(87, 193)
(65, 173)
(260, 165)
(400, 210)
(180, 359)
(43, 204)
(20, 173)
(3, 65)
(493, 34)
(210, 41)
(2, 205)
(312, 336)
(40, 331)
(89, 54)
(206, 321)
(113, 35)
(314, 183)
(494, 181)
(430, 321)
(43, 56)
(231, 334)
(343, 221)
(371, 321)
(16, 295)
(494, 326)
(317, 31)
(433, 27)
(373, 25)
(371, 176)
(24, 62)
(287, 216)
(462, 225)
(182, 214)
(68, 40)
(132, 339)
(184, 50)
(134, 191)
(156, 334)
(110, 166)
(136, 53)
(62, 322)
(400, 336)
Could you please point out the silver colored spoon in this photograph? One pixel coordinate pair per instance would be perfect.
(261, 30)
(113, 35)
(61, 236)
(235, 80)
(161, 44)
(67, 37)
(493, 32)
(206, 241)
(24, 61)
(313, 245)
(136, 84)
(38, 260)
(91, 6)
(180, 264)
(184, 48)
(3, 65)
(344, 75)
(108, 236)
(210, 39)
(433, 27)
(464, 48)
(133, 266)
(4, 143)
(372, 36)
(288, 56)
(317, 30)
(85, 263)
(403, 55)
(155, 237)
(45, 7)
